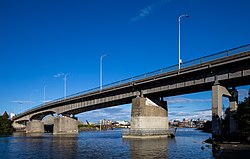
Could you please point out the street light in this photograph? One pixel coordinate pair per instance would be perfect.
(30, 100)
(21, 102)
(65, 85)
(179, 22)
(101, 58)
(65, 82)
(44, 93)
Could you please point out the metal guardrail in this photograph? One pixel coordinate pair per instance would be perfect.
(194, 62)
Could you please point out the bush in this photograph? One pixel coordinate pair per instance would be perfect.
(243, 114)
(5, 124)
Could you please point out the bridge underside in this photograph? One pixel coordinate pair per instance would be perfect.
(232, 71)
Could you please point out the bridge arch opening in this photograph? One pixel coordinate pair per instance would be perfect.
(40, 116)
(41, 122)
(48, 122)
(20, 125)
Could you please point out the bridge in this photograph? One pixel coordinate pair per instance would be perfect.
(221, 72)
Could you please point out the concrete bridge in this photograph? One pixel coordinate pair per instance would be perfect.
(221, 72)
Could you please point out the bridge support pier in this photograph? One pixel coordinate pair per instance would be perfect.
(35, 126)
(65, 125)
(217, 93)
(149, 119)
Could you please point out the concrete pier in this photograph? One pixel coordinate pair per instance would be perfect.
(149, 119)
(65, 125)
(19, 127)
(217, 93)
(35, 126)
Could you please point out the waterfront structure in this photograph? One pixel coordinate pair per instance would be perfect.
(220, 72)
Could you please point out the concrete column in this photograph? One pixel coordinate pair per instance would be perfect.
(147, 114)
(217, 93)
(148, 118)
(65, 125)
(35, 126)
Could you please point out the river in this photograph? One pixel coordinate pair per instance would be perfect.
(104, 144)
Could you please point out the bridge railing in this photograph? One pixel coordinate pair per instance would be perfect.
(194, 62)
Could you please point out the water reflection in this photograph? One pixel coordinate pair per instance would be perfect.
(19, 134)
(48, 145)
(64, 146)
(104, 145)
(149, 148)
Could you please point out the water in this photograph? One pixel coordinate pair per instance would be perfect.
(105, 144)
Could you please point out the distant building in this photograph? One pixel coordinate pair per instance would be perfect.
(185, 123)
(121, 123)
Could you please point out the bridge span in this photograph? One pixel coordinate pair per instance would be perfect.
(220, 72)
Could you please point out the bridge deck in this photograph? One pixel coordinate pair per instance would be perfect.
(230, 68)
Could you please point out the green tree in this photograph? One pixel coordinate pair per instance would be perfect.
(207, 127)
(5, 115)
(244, 117)
(5, 124)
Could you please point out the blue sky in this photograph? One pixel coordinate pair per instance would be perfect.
(39, 39)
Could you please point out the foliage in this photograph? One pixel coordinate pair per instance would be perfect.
(86, 126)
(207, 127)
(5, 124)
(225, 129)
(5, 115)
(244, 116)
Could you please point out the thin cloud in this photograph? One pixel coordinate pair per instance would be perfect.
(46, 101)
(178, 113)
(186, 100)
(58, 75)
(206, 114)
(202, 110)
(178, 107)
(243, 93)
(149, 10)
(23, 102)
(113, 113)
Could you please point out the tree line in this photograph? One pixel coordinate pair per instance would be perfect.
(242, 118)
(5, 124)
(243, 115)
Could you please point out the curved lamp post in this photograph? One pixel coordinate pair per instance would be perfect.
(179, 33)
(101, 58)
(65, 82)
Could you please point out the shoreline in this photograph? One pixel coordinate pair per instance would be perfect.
(232, 150)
